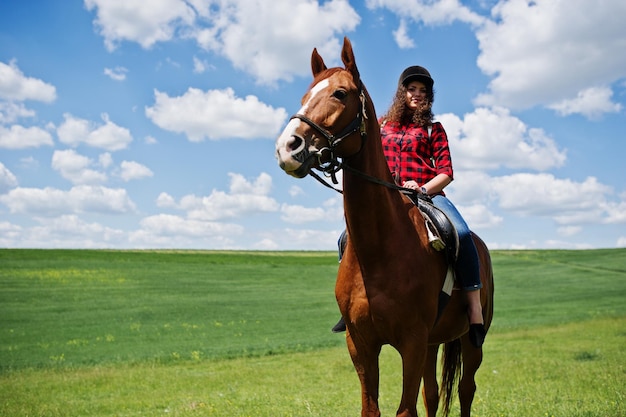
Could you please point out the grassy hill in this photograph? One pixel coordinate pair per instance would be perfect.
(112, 333)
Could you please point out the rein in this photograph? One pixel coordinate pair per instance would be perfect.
(340, 165)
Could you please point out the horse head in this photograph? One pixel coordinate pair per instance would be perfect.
(331, 122)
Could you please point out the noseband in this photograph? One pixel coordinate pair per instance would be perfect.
(358, 124)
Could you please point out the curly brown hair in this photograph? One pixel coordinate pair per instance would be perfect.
(399, 112)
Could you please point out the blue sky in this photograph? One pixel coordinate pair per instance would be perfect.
(124, 125)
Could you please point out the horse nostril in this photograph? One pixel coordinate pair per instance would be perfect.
(295, 144)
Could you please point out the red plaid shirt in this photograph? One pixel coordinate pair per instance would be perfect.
(411, 155)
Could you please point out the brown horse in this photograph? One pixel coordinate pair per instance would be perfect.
(389, 278)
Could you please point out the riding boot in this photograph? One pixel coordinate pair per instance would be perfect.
(477, 330)
(340, 327)
(477, 334)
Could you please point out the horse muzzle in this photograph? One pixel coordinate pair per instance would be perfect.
(293, 156)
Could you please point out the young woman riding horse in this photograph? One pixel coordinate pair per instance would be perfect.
(390, 277)
(418, 155)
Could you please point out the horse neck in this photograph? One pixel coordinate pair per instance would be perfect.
(375, 214)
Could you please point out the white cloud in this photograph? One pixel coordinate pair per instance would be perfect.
(566, 201)
(267, 40)
(165, 200)
(401, 36)
(74, 131)
(9, 234)
(295, 191)
(75, 168)
(79, 169)
(20, 137)
(132, 21)
(469, 187)
(29, 163)
(240, 185)
(164, 230)
(117, 73)
(68, 231)
(569, 231)
(263, 38)
(169, 225)
(542, 51)
(307, 239)
(10, 112)
(200, 66)
(299, 214)
(131, 170)
(75, 232)
(244, 197)
(14, 85)
(569, 204)
(426, 12)
(215, 114)
(479, 216)
(105, 160)
(266, 244)
(591, 103)
(330, 211)
(51, 202)
(7, 179)
(488, 139)
(614, 212)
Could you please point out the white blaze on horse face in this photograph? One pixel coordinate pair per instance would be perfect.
(287, 140)
(314, 91)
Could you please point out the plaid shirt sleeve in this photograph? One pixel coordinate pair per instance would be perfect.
(441, 151)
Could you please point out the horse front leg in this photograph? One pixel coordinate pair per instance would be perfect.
(365, 359)
(413, 359)
(430, 390)
(472, 358)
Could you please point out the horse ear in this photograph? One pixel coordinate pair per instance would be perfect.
(347, 56)
(317, 63)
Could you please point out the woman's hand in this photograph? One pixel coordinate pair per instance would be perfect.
(410, 185)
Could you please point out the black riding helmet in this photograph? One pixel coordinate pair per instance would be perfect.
(416, 73)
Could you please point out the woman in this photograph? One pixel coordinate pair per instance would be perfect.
(418, 156)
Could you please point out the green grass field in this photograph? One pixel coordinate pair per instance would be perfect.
(182, 333)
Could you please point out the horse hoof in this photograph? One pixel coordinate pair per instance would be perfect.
(340, 327)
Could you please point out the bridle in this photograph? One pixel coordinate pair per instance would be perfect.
(334, 165)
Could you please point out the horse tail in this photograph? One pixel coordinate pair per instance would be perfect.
(450, 373)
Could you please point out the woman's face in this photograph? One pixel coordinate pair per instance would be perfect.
(416, 94)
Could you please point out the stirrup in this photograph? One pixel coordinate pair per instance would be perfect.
(435, 240)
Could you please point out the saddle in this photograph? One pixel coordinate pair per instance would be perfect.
(441, 232)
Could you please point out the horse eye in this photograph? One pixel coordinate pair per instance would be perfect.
(340, 94)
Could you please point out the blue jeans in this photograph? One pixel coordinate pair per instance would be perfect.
(467, 271)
